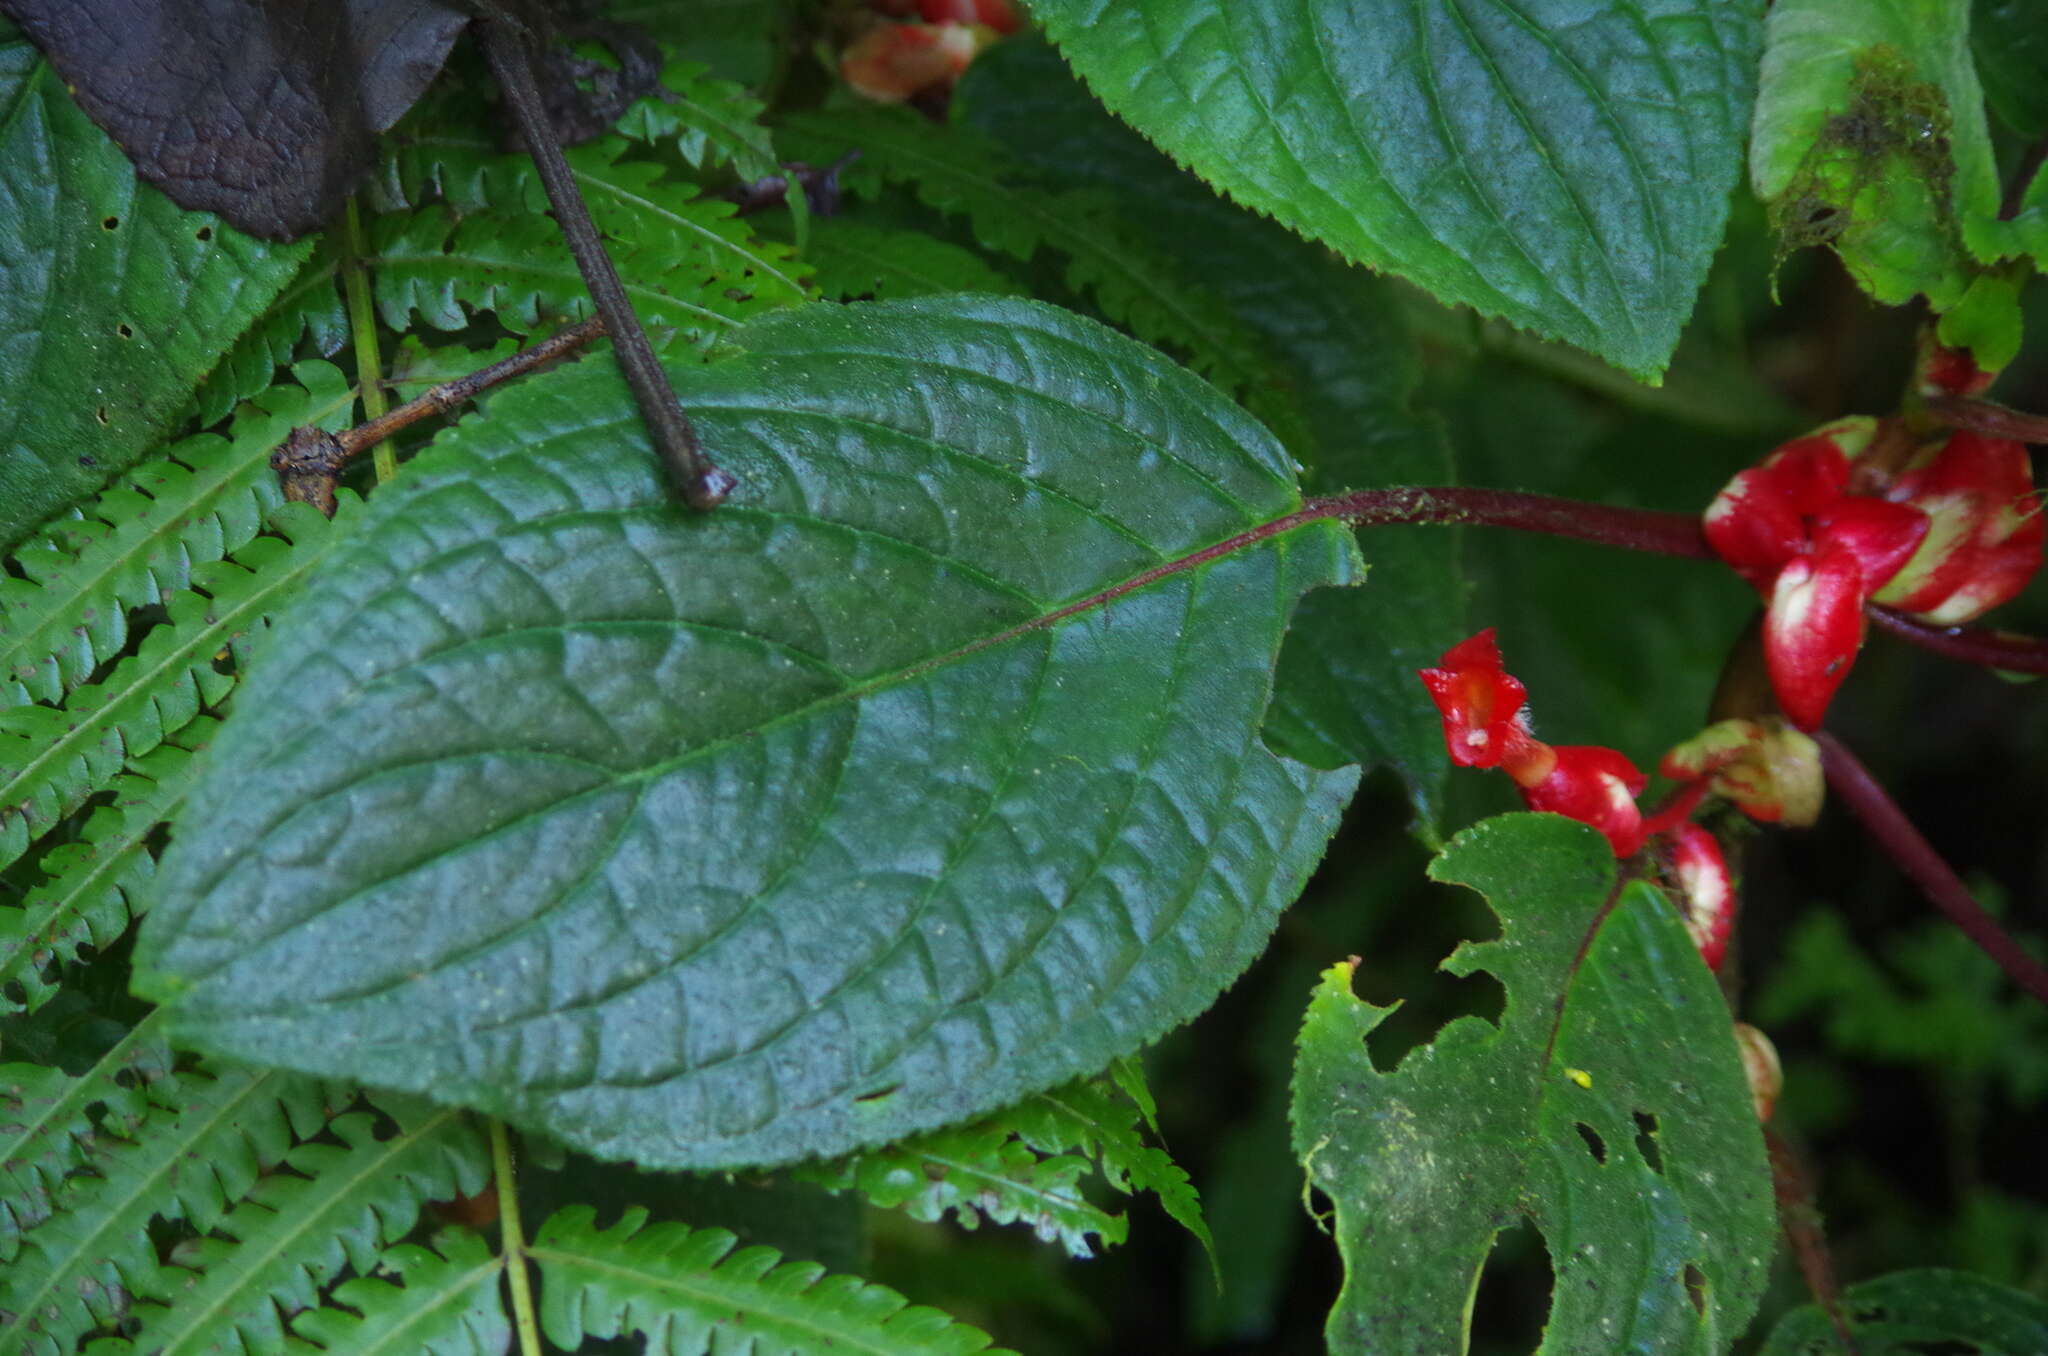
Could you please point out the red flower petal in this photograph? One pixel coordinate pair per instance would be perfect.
(1883, 535)
(1754, 528)
(1480, 704)
(1813, 627)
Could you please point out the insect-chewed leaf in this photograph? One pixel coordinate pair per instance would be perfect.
(922, 774)
(1608, 1107)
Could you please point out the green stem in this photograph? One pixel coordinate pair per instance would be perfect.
(362, 324)
(513, 1242)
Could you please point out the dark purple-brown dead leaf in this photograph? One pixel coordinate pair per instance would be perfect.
(265, 111)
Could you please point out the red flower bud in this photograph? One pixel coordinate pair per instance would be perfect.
(1813, 626)
(892, 62)
(1761, 1067)
(1699, 873)
(1595, 786)
(1949, 371)
(1480, 704)
(1985, 535)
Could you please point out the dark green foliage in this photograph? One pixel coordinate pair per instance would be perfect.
(993, 726)
(114, 301)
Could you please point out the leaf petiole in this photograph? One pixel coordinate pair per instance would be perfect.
(701, 484)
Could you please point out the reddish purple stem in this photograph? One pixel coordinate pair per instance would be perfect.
(1895, 833)
(1664, 534)
(1989, 418)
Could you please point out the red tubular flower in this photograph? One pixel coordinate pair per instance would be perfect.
(1706, 892)
(1485, 726)
(1480, 704)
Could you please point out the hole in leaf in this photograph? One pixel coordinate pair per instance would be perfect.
(1695, 1287)
(125, 331)
(101, 415)
(203, 234)
(1594, 1144)
(1440, 1001)
(1513, 1301)
(110, 223)
(1646, 1141)
(879, 1094)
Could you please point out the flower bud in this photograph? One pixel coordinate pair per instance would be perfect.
(893, 62)
(1760, 1065)
(1706, 893)
(1595, 786)
(1813, 626)
(1770, 772)
(1985, 531)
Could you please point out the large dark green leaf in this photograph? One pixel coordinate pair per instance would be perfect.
(1608, 1107)
(1561, 165)
(1348, 368)
(113, 300)
(923, 774)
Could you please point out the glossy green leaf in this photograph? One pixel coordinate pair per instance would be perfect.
(923, 774)
(1564, 167)
(1913, 1313)
(1871, 138)
(1347, 368)
(1607, 1106)
(113, 300)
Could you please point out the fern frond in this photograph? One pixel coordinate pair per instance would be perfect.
(690, 1293)
(447, 1304)
(1088, 1116)
(960, 171)
(310, 308)
(139, 541)
(50, 1123)
(857, 260)
(446, 269)
(268, 1258)
(709, 120)
(444, 148)
(1024, 1164)
(97, 884)
(53, 757)
(206, 1139)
